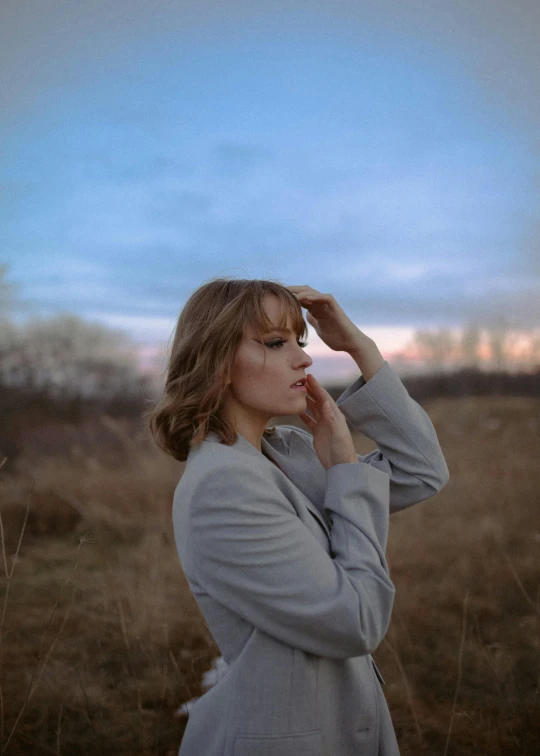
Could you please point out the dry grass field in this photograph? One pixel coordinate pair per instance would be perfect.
(102, 643)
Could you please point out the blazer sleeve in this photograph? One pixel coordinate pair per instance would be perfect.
(408, 447)
(253, 554)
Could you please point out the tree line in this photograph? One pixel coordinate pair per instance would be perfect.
(67, 369)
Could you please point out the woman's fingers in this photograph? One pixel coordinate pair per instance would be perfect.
(316, 398)
(320, 401)
(314, 408)
(320, 394)
(314, 386)
(309, 421)
(313, 400)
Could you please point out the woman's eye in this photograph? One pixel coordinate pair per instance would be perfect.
(280, 342)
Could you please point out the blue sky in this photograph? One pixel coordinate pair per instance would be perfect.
(389, 159)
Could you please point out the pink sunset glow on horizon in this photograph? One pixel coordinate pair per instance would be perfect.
(397, 345)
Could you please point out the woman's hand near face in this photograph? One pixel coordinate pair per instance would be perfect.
(332, 324)
(332, 439)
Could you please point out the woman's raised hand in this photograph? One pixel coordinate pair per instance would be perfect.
(332, 439)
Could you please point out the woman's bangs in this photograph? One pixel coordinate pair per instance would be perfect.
(292, 310)
(262, 323)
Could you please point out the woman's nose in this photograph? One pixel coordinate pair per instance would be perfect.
(305, 359)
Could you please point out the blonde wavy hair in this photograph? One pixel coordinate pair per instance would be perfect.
(207, 334)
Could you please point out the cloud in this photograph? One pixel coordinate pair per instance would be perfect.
(62, 43)
(237, 160)
(160, 222)
(176, 208)
(128, 168)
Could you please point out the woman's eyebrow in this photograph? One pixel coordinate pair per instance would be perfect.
(282, 330)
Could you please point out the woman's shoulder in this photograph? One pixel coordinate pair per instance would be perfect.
(215, 461)
(212, 459)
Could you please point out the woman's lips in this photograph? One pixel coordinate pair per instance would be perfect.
(299, 388)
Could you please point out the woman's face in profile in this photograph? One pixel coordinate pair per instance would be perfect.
(263, 374)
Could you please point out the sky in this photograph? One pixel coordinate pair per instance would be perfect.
(384, 152)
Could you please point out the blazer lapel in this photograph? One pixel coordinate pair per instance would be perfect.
(296, 461)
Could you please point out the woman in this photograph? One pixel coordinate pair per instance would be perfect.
(281, 532)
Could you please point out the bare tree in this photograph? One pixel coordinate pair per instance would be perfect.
(7, 292)
(470, 345)
(436, 348)
(66, 357)
(535, 352)
(498, 342)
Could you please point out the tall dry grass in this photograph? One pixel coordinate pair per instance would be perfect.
(101, 642)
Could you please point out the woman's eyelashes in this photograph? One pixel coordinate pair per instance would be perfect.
(280, 342)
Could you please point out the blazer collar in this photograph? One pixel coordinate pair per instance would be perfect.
(295, 458)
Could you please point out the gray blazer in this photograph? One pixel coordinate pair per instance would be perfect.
(288, 568)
